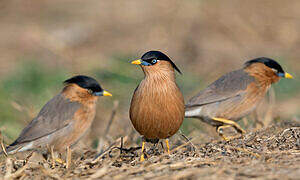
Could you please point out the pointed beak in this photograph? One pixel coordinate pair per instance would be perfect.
(106, 93)
(103, 93)
(287, 75)
(137, 62)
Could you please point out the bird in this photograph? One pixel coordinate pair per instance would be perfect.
(235, 94)
(157, 105)
(63, 120)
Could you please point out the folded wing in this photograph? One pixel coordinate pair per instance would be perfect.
(230, 86)
(55, 115)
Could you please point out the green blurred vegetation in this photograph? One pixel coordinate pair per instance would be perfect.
(287, 88)
(24, 92)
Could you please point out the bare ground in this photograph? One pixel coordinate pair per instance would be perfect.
(269, 153)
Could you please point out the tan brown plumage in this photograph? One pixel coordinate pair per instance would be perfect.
(235, 94)
(157, 106)
(64, 119)
(82, 118)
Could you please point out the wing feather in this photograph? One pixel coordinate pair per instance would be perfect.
(55, 115)
(229, 86)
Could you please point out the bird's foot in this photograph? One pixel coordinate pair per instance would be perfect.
(231, 123)
(54, 157)
(142, 158)
(57, 160)
(226, 138)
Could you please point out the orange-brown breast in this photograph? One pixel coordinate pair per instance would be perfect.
(157, 106)
(82, 120)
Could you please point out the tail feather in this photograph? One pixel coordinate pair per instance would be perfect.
(13, 148)
(193, 112)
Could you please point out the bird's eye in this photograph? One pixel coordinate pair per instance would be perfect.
(154, 61)
(90, 91)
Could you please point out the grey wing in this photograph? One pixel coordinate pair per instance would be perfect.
(55, 115)
(231, 85)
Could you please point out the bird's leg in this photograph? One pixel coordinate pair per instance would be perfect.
(187, 140)
(168, 147)
(236, 126)
(52, 156)
(69, 158)
(143, 148)
(226, 138)
(55, 159)
(256, 120)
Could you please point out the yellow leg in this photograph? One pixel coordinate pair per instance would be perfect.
(69, 158)
(52, 156)
(226, 138)
(54, 159)
(232, 123)
(168, 147)
(142, 156)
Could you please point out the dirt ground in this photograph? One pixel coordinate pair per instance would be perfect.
(272, 152)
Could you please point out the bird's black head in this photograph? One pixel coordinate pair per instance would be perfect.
(88, 83)
(268, 62)
(152, 57)
(275, 66)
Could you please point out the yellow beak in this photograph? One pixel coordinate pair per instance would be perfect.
(287, 75)
(137, 62)
(105, 93)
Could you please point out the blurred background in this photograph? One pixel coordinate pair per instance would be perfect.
(42, 43)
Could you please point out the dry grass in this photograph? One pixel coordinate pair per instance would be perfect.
(272, 152)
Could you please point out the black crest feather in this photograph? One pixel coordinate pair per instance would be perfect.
(85, 82)
(148, 56)
(267, 61)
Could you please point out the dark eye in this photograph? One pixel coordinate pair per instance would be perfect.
(154, 61)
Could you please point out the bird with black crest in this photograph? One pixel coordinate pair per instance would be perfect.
(157, 105)
(235, 94)
(63, 120)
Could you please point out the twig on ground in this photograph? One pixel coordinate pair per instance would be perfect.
(269, 114)
(245, 151)
(49, 173)
(178, 147)
(112, 117)
(130, 150)
(101, 172)
(288, 129)
(188, 140)
(9, 168)
(2, 144)
(101, 154)
(110, 121)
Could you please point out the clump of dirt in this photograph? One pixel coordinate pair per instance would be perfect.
(271, 152)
